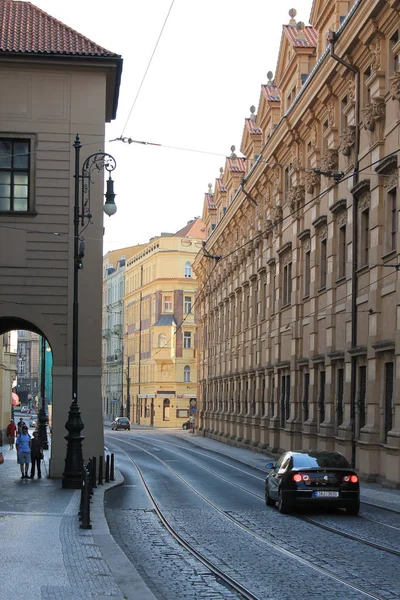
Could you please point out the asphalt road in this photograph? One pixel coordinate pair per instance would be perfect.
(216, 504)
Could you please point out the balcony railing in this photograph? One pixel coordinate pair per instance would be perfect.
(106, 333)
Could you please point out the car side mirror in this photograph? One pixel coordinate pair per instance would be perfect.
(270, 465)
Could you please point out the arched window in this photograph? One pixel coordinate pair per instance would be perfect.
(188, 269)
(162, 341)
(166, 404)
(186, 374)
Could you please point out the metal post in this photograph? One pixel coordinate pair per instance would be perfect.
(112, 476)
(85, 524)
(128, 393)
(72, 476)
(107, 468)
(94, 464)
(100, 480)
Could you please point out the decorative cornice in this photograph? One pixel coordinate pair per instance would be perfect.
(336, 355)
(285, 248)
(283, 364)
(338, 206)
(362, 187)
(383, 345)
(306, 233)
(301, 361)
(358, 351)
(271, 262)
(319, 221)
(387, 165)
(317, 358)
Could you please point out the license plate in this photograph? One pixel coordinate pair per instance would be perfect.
(326, 494)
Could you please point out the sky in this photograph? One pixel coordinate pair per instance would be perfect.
(206, 72)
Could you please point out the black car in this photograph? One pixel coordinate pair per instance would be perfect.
(308, 478)
(188, 424)
(121, 423)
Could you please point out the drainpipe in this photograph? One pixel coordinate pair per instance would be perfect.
(332, 37)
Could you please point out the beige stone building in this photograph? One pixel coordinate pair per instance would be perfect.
(160, 329)
(54, 83)
(299, 319)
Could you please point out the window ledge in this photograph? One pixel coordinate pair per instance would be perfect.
(284, 306)
(321, 289)
(389, 255)
(362, 269)
(340, 280)
(18, 213)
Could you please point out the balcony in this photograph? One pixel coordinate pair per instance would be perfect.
(106, 333)
(163, 354)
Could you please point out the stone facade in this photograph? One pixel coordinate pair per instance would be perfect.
(299, 320)
(54, 85)
(160, 328)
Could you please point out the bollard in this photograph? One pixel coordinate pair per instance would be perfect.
(100, 481)
(94, 484)
(107, 468)
(112, 476)
(85, 524)
(80, 511)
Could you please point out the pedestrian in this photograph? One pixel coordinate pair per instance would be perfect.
(20, 423)
(23, 444)
(11, 433)
(36, 455)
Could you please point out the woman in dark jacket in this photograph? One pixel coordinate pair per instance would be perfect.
(36, 454)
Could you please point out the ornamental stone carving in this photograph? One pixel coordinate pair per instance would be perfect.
(313, 179)
(395, 86)
(350, 89)
(314, 135)
(347, 140)
(331, 112)
(376, 53)
(323, 232)
(277, 179)
(374, 112)
(296, 196)
(342, 219)
(390, 181)
(330, 160)
(307, 244)
(364, 202)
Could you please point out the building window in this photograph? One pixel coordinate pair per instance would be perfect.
(342, 252)
(306, 396)
(391, 217)
(321, 403)
(162, 341)
(188, 269)
(307, 273)
(323, 265)
(285, 399)
(362, 385)
(167, 303)
(186, 374)
(188, 304)
(187, 339)
(14, 175)
(389, 373)
(364, 243)
(287, 284)
(340, 384)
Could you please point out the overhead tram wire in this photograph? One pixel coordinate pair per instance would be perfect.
(147, 68)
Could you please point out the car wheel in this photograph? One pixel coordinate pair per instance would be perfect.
(283, 506)
(353, 509)
(268, 499)
(129, 428)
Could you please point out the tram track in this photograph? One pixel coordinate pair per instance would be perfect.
(248, 530)
(324, 526)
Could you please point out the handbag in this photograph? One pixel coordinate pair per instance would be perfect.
(1, 458)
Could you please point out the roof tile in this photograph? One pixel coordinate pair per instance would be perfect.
(305, 38)
(25, 28)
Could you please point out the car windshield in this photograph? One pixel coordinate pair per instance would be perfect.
(322, 460)
(124, 420)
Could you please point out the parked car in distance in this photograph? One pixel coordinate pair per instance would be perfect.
(121, 423)
(308, 478)
(188, 423)
(24, 409)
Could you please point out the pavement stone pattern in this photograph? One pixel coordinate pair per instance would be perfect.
(167, 568)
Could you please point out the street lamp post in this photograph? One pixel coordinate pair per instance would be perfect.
(72, 476)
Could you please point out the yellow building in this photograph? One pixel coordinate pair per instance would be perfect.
(8, 373)
(299, 321)
(160, 338)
